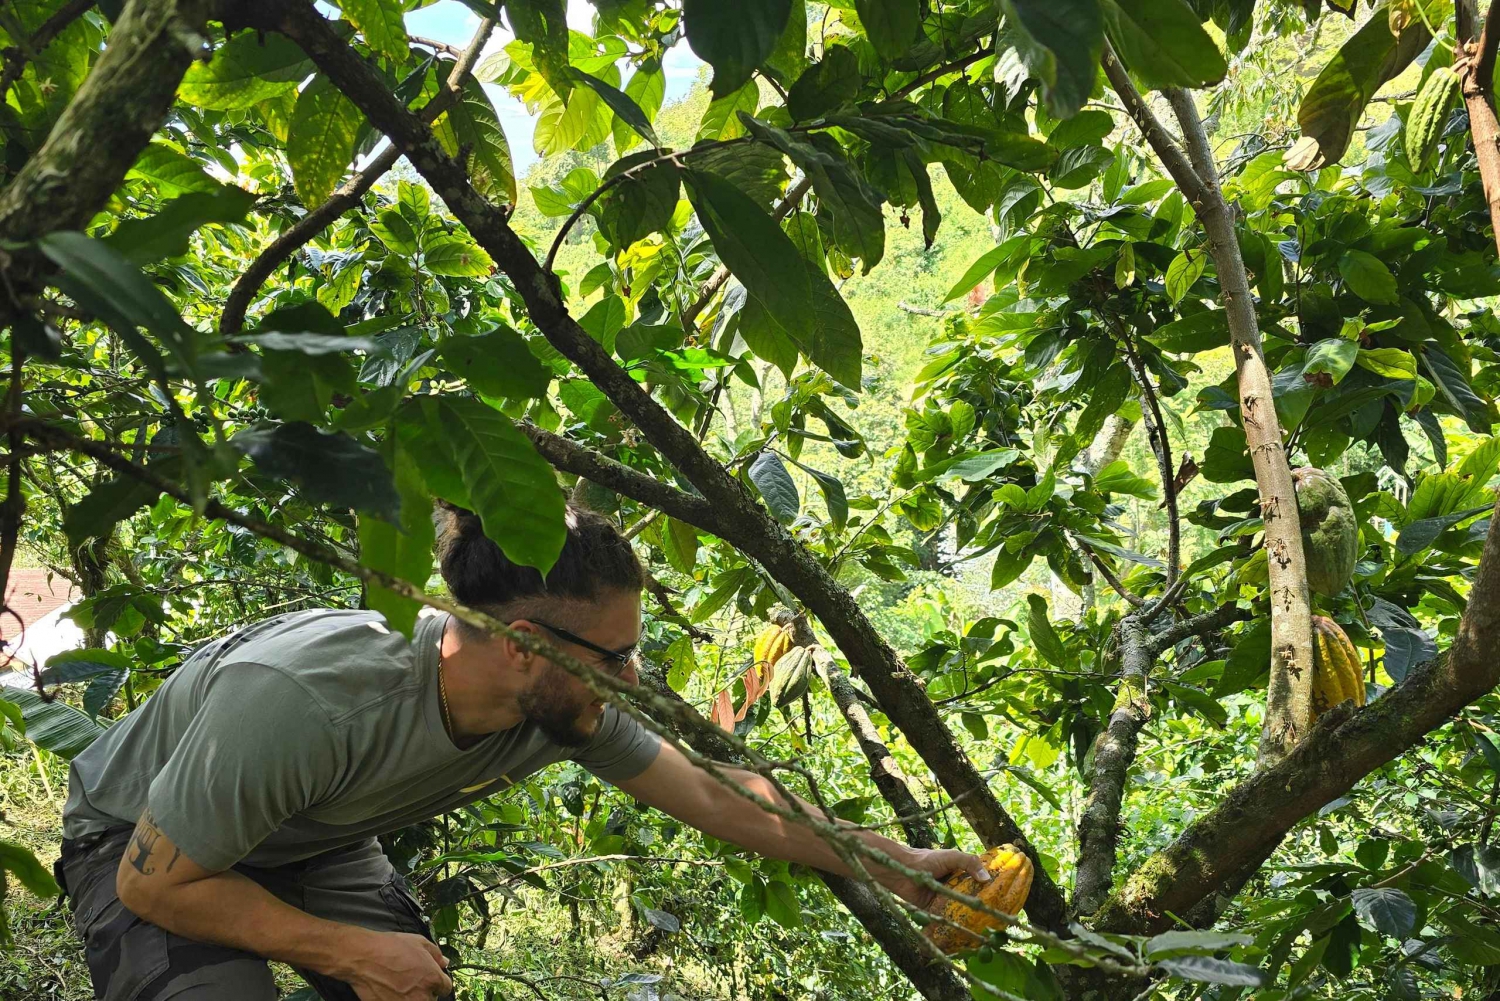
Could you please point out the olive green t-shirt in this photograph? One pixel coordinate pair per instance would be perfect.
(308, 732)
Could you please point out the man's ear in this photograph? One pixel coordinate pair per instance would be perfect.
(522, 661)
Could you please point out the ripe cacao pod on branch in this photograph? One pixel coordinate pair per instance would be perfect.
(772, 644)
(1006, 892)
(1330, 535)
(1337, 674)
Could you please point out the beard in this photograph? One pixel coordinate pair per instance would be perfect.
(557, 711)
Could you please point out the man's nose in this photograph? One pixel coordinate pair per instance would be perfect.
(629, 675)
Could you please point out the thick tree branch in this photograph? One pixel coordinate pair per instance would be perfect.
(1206, 622)
(348, 195)
(737, 517)
(120, 105)
(1477, 70)
(1289, 697)
(1344, 747)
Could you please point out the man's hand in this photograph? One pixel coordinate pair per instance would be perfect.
(939, 863)
(395, 966)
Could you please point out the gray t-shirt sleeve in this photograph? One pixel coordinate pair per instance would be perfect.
(259, 750)
(621, 748)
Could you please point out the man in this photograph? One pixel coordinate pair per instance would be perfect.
(257, 777)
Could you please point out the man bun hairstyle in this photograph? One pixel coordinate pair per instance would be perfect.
(595, 560)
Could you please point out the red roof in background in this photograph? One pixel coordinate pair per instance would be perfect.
(31, 596)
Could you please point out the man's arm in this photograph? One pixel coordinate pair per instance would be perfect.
(160, 884)
(675, 785)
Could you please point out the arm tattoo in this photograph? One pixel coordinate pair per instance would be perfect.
(143, 842)
(176, 854)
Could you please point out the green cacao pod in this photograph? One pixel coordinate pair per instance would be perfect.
(793, 674)
(1006, 892)
(1429, 113)
(1337, 674)
(1330, 535)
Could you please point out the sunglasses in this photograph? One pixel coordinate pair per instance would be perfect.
(615, 661)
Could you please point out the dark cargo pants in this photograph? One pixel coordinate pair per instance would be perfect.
(133, 960)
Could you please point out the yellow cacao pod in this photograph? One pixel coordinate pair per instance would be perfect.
(772, 644)
(1337, 673)
(1006, 893)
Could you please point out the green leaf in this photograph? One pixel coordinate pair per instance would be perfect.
(543, 24)
(165, 234)
(456, 256)
(245, 71)
(1202, 704)
(1206, 969)
(172, 172)
(1418, 535)
(1043, 637)
(1199, 332)
(1332, 356)
(1332, 107)
(402, 548)
(828, 84)
(309, 344)
(832, 489)
(473, 456)
(1391, 363)
(324, 130)
(734, 38)
(680, 545)
(18, 861)
(777, 489)
(798, 298)
(641, 204)
(391, 227)
(1368, 277)
(382, 24)
(579, 123)
(81, 665)
(721, 121)
(980, 269)
(622, 105)
(1249, 660)
(782, 905)
(54, 725)
(1170, 942)
(788, 59)
(1061, 45)
(1386, 910)
(498, 364)
(109, 286)
(1163, 44)
(892, 26)
(476, 129)
(1186, 268)
(333, 468)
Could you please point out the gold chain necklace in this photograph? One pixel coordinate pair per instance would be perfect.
(443, 702)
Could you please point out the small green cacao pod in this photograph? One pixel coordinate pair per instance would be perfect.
(1429, 113)
(793, 674)
(1330, 533)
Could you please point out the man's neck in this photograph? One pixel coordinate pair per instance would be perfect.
(480, 701)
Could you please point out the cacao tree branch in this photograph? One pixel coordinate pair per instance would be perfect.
(348, 195)
(745, 523)
(1289, 696)
(1344, 746)
(1477, 74)
(120, 105)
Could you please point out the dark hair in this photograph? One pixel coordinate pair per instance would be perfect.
(595, 560)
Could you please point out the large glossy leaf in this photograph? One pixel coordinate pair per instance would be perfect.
(53, 725)
(832, 81)
(1332, 107)
(544, 25)
(81, 665)
(1162, 43)
(891, 25)
(320, 146)
(166, 233)
(497, 364)
(776, 486)
(622, 104)
(734, 38)
(382, 24)
(798, 298)
(332, 468)
(643, 202)
(858, 224)
(476, 128)
(1060, 41)
(174, 173)
(473, 456)
(1043, 637)
(246, 70)
(646, 89)
(402, 548)
(456, 256)
(721, 117)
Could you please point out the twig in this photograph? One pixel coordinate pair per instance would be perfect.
(348, 195)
